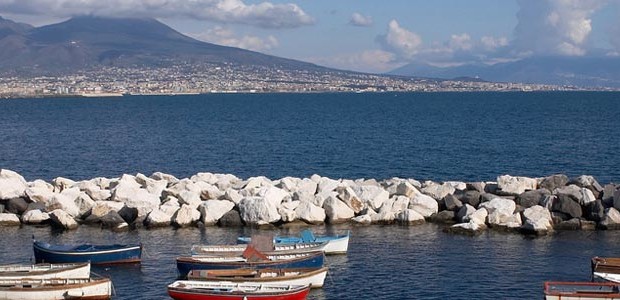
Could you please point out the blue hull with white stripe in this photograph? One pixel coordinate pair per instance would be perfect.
(95, 254)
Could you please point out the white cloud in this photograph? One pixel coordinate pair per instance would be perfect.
(263, 14)
(555, 26)
(400, 41)
(460, 42)
(358, 19)
(224, 36)
(490, 43)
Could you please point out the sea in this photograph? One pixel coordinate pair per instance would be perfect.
(425, 136)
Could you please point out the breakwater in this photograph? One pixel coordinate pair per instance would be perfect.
(520, 204)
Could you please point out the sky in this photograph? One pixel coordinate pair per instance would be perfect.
(369, 35)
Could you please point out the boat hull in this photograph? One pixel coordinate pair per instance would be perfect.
(311, 260)
(228, 292)
(312, 277)
(237, 250)
(334, 244)
(45, 271)
(56, 289)
(43, 253)
(581, 291)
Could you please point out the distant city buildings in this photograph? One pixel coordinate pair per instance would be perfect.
(229, 78)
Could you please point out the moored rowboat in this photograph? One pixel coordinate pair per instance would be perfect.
(55, 289)
(237, 250)
(95, 254)
(337, 244)
(303, 276)
(581, 291)
(607, 268)
(200, 290)
(43, 271)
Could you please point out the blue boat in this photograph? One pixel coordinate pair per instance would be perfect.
(336, 244)
(287, 261)
(95, 254)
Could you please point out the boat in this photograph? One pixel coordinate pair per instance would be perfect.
(95, 254)
(337, 244)
(55, 289)
(556, 290)
(201, 290)
(45, 271)
(302, 276)
(250, 259)
(607, 268)
(237, 250)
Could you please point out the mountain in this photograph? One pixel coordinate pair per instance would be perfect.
(89, 41)
(595, 71)
(8, 27)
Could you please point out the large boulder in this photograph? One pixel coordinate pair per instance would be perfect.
(258, 211)
(451, 203)
(465, 211)
(337, 211)
(424, 205)
(163, 176)
(231, 219)
(595, 211)
(272, 194)
(9, 219)
(383, 217)
(185, 216)
(212, 210)
(61, 183)
(371, 196)
(471, 197)
(190, 197)
(62, 219)
(406, 189)
(509, 185)
(589, 182)
(66, 202)
(348, 196)
(114, 221)
(470, 228)
(532, 198)
(16, 206)
(310, 213)
(39, 191)
(553, 182)
(409, 217)
(362, 219)
(159, 218)
(325, 186)
(12, 185)
(102, 208)
(94, 191)
(611, 220)
(232, 195)
(155, 187)
(565, 203)
(437, 191)
(84, 204)
(501, 211)
(537, 220)
(35, 216)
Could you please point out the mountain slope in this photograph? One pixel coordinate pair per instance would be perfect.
(89, 41)
(597, 71)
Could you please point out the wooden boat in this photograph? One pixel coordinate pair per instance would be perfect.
(337, 244)
(607, 268)
(201, 290)
(251, 259)
(55, 289)
(96, 254)
(581, 291)
(306, 276)
(237, 250)
(44, 271)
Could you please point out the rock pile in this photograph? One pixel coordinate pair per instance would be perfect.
(527, 205)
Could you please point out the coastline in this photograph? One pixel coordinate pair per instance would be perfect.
(537, 206)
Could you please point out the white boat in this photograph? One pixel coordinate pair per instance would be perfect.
(45, 271)
(315, 277)
(237, 250)
(201, 290)
(337, 244)
(581, 291)
(55, 289)
(607, 268)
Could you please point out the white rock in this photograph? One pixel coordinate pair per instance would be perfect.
(464, 212)
(586, 196)
(35, 216)
(84, 204)
(102, 208)
(225, 181)
(468, 228)
(8, 219)
(208, 191)
(12, 185)
(406, 189)
(191, 198)
(143, 202)
(410, 217)
(232, 195)
(61, 183)
(501, 205)
(399, 204)
(310, 213)
(383, 217)
(287, 211)
(537, 219)
(326, 186)
(307, 187)
(254, 183)
(125, 189)
(350, 198)
(371, 196)
(167, 177)
(212, 210)
(336, 210)
(185, 216)
(64, 202)
(205, 177)
(39, 194)
(159, 218)
(363, 219)
(155, 187)
(62, 219)
(515, 185)
(272, 194)
(437, 191)
(478, 217)
(94, 191)
(461, 186)
(612, 218)
(424, 205)
(170, 205)
(258, 211)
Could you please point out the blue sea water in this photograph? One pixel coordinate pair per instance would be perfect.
(438, 136)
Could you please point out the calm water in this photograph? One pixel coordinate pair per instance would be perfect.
(442, 136)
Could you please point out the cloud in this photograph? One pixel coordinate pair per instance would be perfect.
(224, 36)
(373, 61)
(358, 19)
(400, 41)
(490, 43)
(550, 27)
(460, 42)
(263, 14)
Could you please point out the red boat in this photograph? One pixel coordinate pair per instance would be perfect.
(201, 290)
